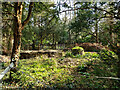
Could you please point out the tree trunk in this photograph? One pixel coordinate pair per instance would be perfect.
(10, 43)
(17, 32)
(17, 44)
(96, 31)
(118, 68)
(18, 27)
(53, 43)
(111, 34)
(118, 74)
(41, 43)
(111, 21)
(33, 45)
(96, 24)
(69, 32)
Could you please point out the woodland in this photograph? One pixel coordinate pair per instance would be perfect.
(61, 44)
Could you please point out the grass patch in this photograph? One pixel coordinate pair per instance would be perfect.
(64, 72)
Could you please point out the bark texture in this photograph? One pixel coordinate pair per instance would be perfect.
(18, 27)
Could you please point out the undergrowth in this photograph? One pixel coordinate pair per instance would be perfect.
(65, 72)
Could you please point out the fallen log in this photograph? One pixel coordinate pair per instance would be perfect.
(26, 54)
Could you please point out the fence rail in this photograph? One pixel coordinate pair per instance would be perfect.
(6, 70)
(114, 78)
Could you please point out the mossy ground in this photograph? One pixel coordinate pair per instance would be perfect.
(63, 72)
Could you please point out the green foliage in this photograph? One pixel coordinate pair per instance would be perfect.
(108, 57)
(86, 55)
(44, 70)
(68, 54)
(85, 39)
(91, 55)
(2, 64)
(42, 26)
(74, 70)
(82, 29)
(82, 68)
(63, 72)
(77, 50)
(77, 47)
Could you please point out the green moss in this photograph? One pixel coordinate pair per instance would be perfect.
(77, 47)
(77, 50)
(108, 57)
(57, 73)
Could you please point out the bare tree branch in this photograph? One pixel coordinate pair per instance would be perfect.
(108, 78)
(113, 13)
(89, 33)
(29, 14)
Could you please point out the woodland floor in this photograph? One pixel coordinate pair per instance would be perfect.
(63, 72)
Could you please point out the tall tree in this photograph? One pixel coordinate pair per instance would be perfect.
(7, 32)
(18, 27)
(96, 24)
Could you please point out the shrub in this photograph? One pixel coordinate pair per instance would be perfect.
(77, 50)
(68, 54)
(90, 55)
(108, 56)
(82, 68)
